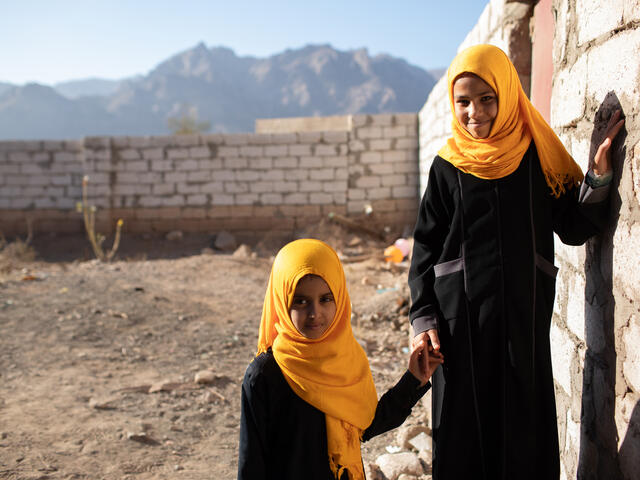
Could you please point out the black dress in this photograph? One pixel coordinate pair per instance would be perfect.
(283, 437)
(482, 271)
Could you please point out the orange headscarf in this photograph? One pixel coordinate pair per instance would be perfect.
(516, 123)
(332, 372)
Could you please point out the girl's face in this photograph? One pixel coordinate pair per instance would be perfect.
(475, 104)
(313, 307)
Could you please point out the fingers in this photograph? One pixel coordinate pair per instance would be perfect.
(434, 339)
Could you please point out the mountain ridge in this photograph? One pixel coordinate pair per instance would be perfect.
(227, 90)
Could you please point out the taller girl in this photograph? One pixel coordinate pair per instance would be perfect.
(482, 276)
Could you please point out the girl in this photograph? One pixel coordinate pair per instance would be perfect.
(482, 276)
(308, 398)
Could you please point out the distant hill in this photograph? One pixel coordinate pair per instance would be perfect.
(228, 91)
(4, 87)
(87, 87)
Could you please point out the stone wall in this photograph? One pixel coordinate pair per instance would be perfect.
(596, 329)
(244, 183)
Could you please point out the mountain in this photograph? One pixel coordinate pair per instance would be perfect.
(4, 87)
(228, 91)
(87, 87)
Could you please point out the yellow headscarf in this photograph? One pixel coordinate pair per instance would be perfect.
(332, 372)
(516, 123)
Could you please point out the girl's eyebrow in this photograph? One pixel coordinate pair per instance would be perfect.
(481, 94)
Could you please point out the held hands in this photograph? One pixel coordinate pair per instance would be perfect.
(602, 160)
(424, 358)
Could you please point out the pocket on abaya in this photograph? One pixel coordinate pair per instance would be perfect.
(449, 289)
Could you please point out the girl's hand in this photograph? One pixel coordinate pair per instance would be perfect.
(602, 160)
(420, 367)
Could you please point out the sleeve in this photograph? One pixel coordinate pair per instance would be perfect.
(395, 405)
(429, 235)
(578, 215)
(253, 427)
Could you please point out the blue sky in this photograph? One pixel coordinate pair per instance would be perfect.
(49, 41)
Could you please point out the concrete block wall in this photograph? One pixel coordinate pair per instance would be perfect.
(596, 329)
(504, 23)
(244, 183)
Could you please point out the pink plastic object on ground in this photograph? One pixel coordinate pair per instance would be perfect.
(404, 246)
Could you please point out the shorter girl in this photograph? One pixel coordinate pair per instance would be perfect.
(308, 398)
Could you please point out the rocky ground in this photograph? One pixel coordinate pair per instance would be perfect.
(132, 369)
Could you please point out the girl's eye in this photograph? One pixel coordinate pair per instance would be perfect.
(463, 103)
(299, 302)
(487, 98)
(327, 299)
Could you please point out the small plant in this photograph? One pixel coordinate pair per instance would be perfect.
(96, 239)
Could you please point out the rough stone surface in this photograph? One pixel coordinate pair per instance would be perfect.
(393, 465)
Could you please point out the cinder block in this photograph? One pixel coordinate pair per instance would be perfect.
(222, 199)
(322, 174)
(19, 157)
(261, 163)
(285, 187)
(271, 198)
(296, 199)
(223, 175)
(199, 176)
(32, 192)
(318, 198)
(175, 177)
(335, 137)
(595, 20)
(259, 138)
(406, 167)
(284, 138)
(276, 151)
(251, 151)
(139, 142)
(310, 186)
(341, 161)
(356, 194)
(129, 154)
(247, 199)
(300, 150)
(325, 150)
(261, 187)
(399, 156)
(360, 120)
(163, 189)
(210, 164)
(287, 162)
(383, 119)
(364, 133)
(212, 187)
(186, 140)
(126, 177)
(368, 181)
(236, 163)
(228, 151)
(342, 173)
(371, 157)
(397, 131)
(197, 199)
(161, 165)
(189, 188)
(38, 180)
(335, 186)
(177, 153)
(378, 144)
(199, 152)
(608, 68)
(382, 169)
(153, 154)
(236, 187)
(149, 201)
(247, 175)
(406, 143)
(406, 192)
(626, 261)
(296, 174)
(309, 137)
(137, 166)
(273, 175)
(410, 119)
(378, 193)
(310, 162)
(398, 181)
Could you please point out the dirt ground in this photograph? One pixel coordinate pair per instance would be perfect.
(98, 360)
